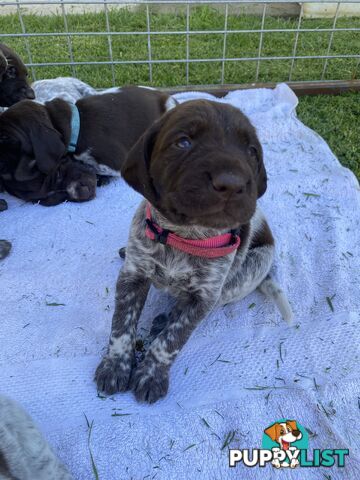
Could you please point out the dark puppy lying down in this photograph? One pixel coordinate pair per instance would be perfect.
(13, 88)
(54, 152)
(199, 235)
(69, 181)
(14, 85)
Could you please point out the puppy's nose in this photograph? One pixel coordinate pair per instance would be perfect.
(227, 183)
(296, 433)
(29, 93)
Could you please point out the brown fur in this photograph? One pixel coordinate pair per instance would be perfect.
(14, 85)
(34, 142)
(191, 186)
(262, 237)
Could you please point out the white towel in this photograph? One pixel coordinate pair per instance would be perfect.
(242, 369)
(67, 88)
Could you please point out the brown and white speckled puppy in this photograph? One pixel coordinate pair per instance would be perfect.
(201, 168)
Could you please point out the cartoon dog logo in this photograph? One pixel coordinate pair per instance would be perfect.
(284, 433)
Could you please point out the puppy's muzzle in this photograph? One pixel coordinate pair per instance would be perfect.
(227, 184)
(81, 191)
(28, 93)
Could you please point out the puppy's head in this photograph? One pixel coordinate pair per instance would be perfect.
(200, 164)
(72, 182)
(28, 140)
(14, 85)
(32, 151)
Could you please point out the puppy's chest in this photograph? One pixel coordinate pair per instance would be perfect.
(173, 274)
(180, 274)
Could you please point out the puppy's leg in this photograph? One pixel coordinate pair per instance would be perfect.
(113, 373)
(150, 380)
(253, 272)
(246, 275)
(272, 290)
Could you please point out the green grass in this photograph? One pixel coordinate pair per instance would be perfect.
(167, 47)
(333, 117)
(336, 119)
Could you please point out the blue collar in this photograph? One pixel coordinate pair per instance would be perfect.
(75, 128)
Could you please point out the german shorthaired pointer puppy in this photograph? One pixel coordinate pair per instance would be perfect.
(198, 235)
(54, 152)
(14, 85)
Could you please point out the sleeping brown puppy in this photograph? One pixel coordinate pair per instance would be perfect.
(70, 181)
(54, 152)
(14, 85)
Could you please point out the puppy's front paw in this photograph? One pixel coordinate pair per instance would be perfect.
(112, 375)
(149, 382)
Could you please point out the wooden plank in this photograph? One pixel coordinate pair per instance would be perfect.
(300, 88)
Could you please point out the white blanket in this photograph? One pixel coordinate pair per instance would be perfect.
(242, 369)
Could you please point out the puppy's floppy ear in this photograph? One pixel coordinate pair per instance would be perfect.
(272, 432)
(26, 169)
(261, 177)
(135, 169)
(48, 147)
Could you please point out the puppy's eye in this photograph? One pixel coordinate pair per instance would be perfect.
(184, 143)
(11, 72)
(252, 151)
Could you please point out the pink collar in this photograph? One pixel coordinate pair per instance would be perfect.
(213, 247)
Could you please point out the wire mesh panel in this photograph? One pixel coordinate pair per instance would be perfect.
(182, 42)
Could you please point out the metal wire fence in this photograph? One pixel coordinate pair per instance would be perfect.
(182, 42)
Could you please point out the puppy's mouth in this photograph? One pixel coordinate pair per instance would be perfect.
(220, 216)
(207, 212)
